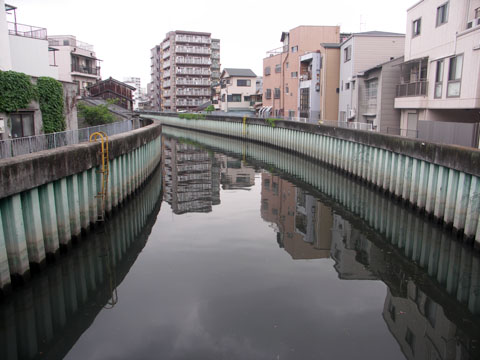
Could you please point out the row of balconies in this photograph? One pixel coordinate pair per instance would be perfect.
(190, 102)
(166, 74)
(166, 84)
(193, 49)
(215, 56)
(193, 39)
(198, 81)
(215, 46)
(190, 60)
(166, 64)
(192, 71)
(193, 92)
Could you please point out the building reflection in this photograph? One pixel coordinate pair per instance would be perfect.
(191, 177)
(414, 309)
(235, 174)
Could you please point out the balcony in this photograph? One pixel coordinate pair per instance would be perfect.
(215, 56)
(166, 84)
(190, 102)
(166, 74)
(193, 92)
(193, 61)
(193, 82)
(29, 31)
(190, 71)
(193, 39)
(166, 45)
(193, 50)
(91, 70)
(166, 55)
(417, 88)
(166, 64)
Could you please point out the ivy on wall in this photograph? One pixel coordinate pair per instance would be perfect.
(16, 91)
(50, 96)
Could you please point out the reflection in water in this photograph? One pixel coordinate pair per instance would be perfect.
(433, 297)
(47, 316)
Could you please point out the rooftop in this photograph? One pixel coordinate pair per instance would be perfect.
(239, 72)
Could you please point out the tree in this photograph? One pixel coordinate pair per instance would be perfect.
(95, 115)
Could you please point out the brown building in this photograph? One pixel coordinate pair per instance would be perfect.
(281, 66)
(113, 89)
(184, 67)
(302, 223)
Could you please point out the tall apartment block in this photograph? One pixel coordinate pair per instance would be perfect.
(184, 66)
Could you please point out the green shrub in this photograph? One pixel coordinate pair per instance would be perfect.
(16, 91)
(50, 97)
(271, 121)
(189, 116)
(210, 108)
(95, 115)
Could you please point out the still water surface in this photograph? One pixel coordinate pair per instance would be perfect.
(218, 258)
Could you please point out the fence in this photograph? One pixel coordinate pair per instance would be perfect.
(31, 144)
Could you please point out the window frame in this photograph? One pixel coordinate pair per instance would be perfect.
(445, 6)
(439, 73)
(277, 93)
(267, 71)
(22, 114)
(456, 80)
(278, 68)
(417, 30)
(268, 94)
(248, 82)
(347, 53)
(294, 73)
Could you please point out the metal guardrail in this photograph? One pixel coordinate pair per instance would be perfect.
(30, 144)
(418, 88)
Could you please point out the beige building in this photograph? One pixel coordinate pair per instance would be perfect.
(281, 67)
(238, 87)
(76, 61)
(318, 85)
(440, 76)
(182, 68)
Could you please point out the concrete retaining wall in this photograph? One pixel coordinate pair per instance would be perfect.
(48, 198)
(441, 180)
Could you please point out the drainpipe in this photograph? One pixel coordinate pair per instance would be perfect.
(282, 105)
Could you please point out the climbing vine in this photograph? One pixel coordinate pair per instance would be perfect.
(16, 91)
(50, 96)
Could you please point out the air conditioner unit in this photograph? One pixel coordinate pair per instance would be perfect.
(351, 113)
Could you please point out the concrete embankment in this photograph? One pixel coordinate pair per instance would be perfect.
(48, 198)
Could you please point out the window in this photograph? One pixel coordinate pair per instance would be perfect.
(267, 71)
(304, 102)
(442, 14)
(371, 90)
(268, 94)
(229, 98)
(294, 49)
(286, 89)
(294, 74)
(477, 13)
(286, 64)
(278, 68)
(347, 53)
(416, 27)
(236, 97)
(243, 82)
(347, 86)
(223, 97)
(22, 124)
(291, 113)
(247, 98)
(276, 94)
(439, 79)
(454, 76)
(353, 85)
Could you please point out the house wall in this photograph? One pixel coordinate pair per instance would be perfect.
(329, 85)
(272, 81)
(232, 88)
(5, 61)
(31, 56)
(389, 116)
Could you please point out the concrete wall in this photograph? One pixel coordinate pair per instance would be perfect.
(47, 198)
(441, 180)
(30, 56)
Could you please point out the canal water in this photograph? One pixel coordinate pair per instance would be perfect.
(231, 251)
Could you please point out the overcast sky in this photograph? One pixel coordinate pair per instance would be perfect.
(123, 32)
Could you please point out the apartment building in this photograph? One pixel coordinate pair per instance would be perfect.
(439, 90)
(154, 91)
(138, 93)
(238, 86)
(182, 67)
(359, 52)
(318, 86)
(76, 61)
(281, 67)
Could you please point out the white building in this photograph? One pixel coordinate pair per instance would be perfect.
(440, 75)
(238, 86)
(137, 94)
(359, 52)
(76, 61)
(23, 48)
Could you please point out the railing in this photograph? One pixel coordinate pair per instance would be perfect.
(182, 81)
(402, 132)
(166, 45)
(69, 41)
(183, 60)
(92, 70)
(192, 71)
(193, 39)
(192, 50)
(29, 31)
(30, 144)
(418, 88)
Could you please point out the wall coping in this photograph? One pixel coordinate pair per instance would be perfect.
(455, 157)
(29, 171)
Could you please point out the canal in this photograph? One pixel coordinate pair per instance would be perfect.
(235, 250)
